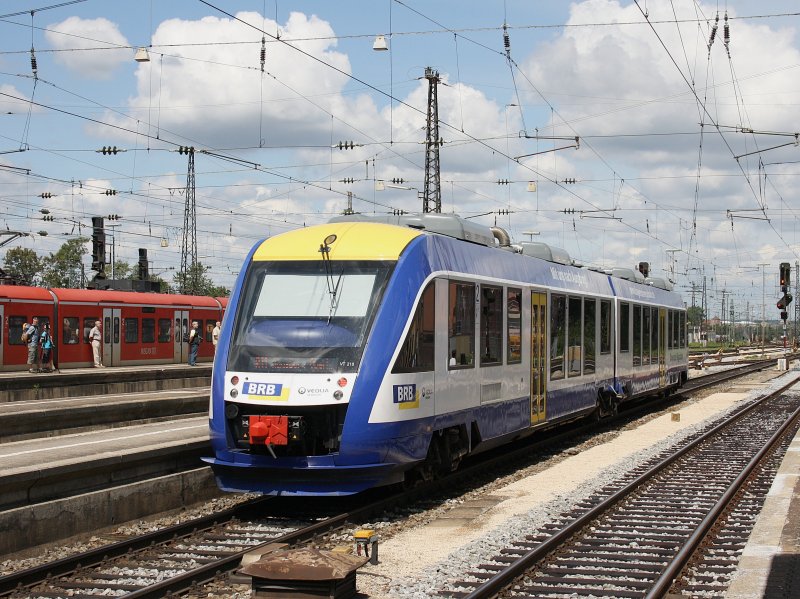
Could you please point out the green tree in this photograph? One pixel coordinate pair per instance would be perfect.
(123, 270)
(23, 265)
(694, 315)
(65, 267)
(197, 282)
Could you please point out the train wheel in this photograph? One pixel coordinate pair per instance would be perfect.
(445, 451)
(607, 405)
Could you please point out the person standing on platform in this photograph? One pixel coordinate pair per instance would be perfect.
(195, 338)
(96, 337)
(215, 335)
(47, 349)
(31, 337)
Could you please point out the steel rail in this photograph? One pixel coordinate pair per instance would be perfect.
(520, 566)
(667, 577)
(26, 578)
(93, 557)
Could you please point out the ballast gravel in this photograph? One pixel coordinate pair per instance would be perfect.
(419, 561)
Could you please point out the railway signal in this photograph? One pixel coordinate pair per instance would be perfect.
(98, 244)
(783, 303)
(785, 276)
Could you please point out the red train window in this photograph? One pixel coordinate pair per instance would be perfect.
(164, 325)
(148, 330)
(15, 329)
(88, 325)
(131, 330)
(70, 330)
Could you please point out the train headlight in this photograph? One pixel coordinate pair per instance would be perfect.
(342, 382)
(234, 380)
(337, 395)
(234, 393)
(231, 410)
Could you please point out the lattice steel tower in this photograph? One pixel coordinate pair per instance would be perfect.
(189, 275)
(432, 196)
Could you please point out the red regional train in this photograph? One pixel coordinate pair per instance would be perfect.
(138, 328)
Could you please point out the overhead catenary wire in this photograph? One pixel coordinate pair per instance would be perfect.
(631, 178)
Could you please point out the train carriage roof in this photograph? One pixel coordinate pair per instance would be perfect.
(639, 292)
(97, 296)
(351, 241)
(20, 292)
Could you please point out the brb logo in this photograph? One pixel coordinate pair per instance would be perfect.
(405, 396)
(263, 389)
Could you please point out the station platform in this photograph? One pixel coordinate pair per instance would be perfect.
(91, 447)
(56, 487)
(45, 468)
(24, 385)
(770, 563)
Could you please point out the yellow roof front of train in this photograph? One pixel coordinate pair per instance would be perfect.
(354, 241)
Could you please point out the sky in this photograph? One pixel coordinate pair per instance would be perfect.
(618, 131)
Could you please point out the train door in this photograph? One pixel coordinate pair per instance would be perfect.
(3, 330)
(662, 347)
(538, 356)
(180, 332)
(111, 336)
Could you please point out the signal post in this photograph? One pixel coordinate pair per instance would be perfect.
(786, 299)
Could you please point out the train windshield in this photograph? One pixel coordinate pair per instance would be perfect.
(306, 317)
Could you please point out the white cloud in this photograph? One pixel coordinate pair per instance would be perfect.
(75, 36)
(217, 93)
(616, 86)
(10, 105)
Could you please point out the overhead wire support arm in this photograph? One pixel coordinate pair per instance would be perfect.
(12, 236)
(576, 145)
(27, 171)
(730, 214)
(796, 142)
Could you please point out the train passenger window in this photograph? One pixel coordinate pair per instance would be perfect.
(605, 327)
(654, 337)
(637, 335)
(15, 329)
(624, 328)
(514, 326)
(107, 330)
(574, 334)
(669, 329)
(589, 328)
(417, 353)
(675, 327)
(461, 329)
(88, 324)
(70, 326)
(148, 330)
(164, 325)
(558, 331)
(683, 329)
(131, 330)
(646, 324)
(491, 326)
(210, 324)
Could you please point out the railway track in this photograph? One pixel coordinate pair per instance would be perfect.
(636, 538)
(175, 559)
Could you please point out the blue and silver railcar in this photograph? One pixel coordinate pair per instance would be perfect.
(358, 354)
